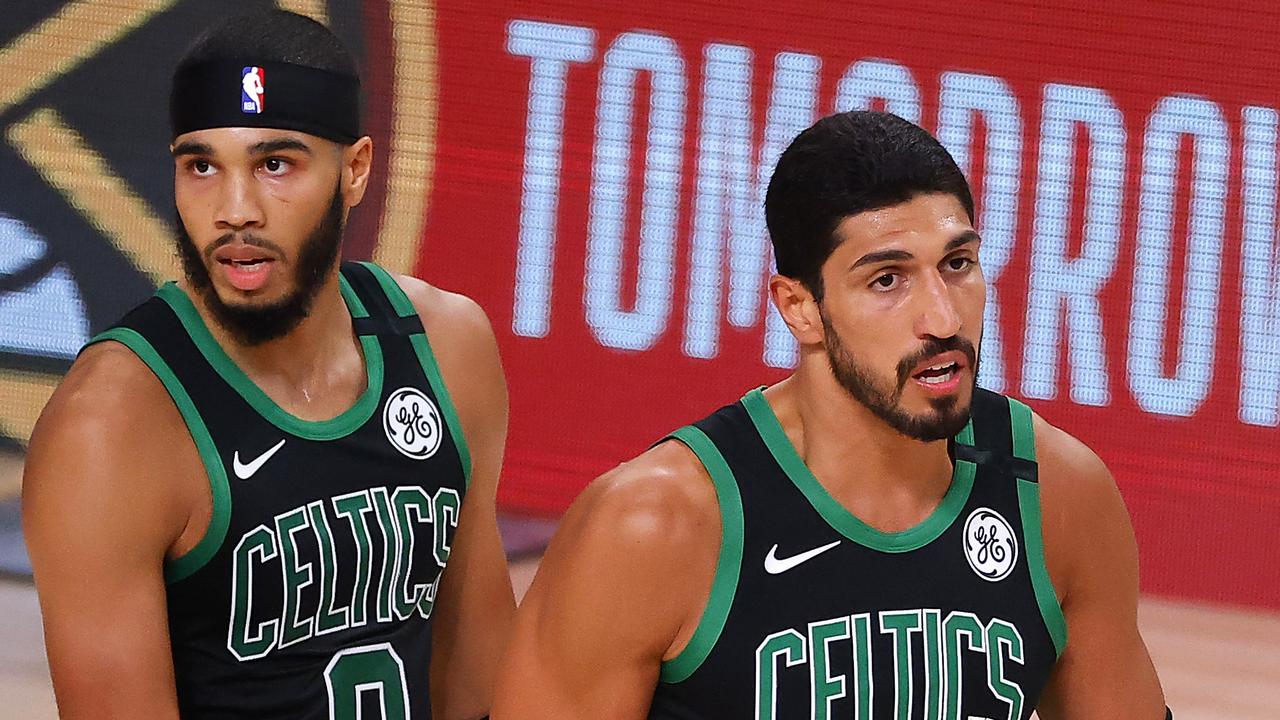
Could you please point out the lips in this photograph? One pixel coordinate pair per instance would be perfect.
(242, 253)
(937, 374)
(941, 372)
(246, 267)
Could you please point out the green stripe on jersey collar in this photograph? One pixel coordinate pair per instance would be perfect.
(332, 429)
(837, 515)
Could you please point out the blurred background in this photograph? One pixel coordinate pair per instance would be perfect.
(592, 172)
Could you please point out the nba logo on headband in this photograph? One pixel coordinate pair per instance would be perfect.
(253, 90)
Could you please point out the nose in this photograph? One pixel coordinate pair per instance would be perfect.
(938, 315)
(239, 207)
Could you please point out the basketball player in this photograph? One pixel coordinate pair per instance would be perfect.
(241, 500)
(871, 538)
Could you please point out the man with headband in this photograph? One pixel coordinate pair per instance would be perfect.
(243, 497)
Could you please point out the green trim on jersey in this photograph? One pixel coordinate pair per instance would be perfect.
(1046, 598)
(724, 585)
(1024, 436)
(1024, 447)
(837, 515)
(965, 436)
(400, 301)
(195, 558)
(354, 304)
(403, 306)
(342, 425)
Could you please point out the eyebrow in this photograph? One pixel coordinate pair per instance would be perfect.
(190, 147)
(963, 238)
(879, 256)
(271, 146)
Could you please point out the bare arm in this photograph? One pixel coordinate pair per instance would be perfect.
(475, 605)
(102, 505)
(620, 589)
(1105, 671)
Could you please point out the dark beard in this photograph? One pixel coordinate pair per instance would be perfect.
(947, 419)
(254, 325)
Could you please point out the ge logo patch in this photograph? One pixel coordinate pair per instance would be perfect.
(412, 423)
(989, 544)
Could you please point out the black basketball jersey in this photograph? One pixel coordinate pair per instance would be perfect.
(311, 594)
(813, 614)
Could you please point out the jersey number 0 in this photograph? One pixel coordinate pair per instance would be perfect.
(369, 668)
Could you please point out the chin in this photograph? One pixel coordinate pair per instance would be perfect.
(928, 404)
(939, 426)
(939, 418)
(234, 297)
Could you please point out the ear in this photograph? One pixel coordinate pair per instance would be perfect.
(798, 308)
(357, 165)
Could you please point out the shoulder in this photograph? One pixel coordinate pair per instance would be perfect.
(663, 498)
(639, 545)
(446, 314)
(111, 442)
(1083, 516)
(462, 341)
(109, 393)
(653, 518)
(466, 352)
(1072, 476)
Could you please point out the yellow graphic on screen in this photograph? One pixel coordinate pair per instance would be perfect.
(66, 162)
(58, 45)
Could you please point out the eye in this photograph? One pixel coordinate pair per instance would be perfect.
(201, 168)
(886, 282)
(275, 166)
(959, 262)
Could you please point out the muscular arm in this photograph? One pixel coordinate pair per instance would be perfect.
(102, 505)
(475, 604)
(620, 589)
(1105, 671)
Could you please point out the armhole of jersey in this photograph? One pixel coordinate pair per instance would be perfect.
(1024, 448)
(403, 306)
(183, 567)
(724, 584)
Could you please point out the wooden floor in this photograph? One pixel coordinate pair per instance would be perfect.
(1215, 663)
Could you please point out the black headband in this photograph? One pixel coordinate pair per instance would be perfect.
(230, 93)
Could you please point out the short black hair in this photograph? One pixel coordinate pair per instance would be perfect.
(840, 166)
(273, 35)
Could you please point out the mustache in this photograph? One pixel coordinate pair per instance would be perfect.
(931, 347)
(247, 238)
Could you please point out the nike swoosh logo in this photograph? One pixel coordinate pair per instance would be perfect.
(775, 566)
(244, 471)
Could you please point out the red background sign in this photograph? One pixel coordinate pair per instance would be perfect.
(1160, 360)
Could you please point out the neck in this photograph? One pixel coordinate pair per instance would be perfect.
(885, 477)
(303, 357)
